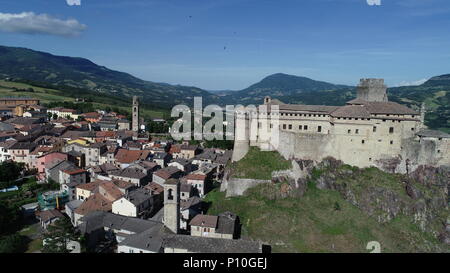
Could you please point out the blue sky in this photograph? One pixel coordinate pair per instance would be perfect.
(230, 44)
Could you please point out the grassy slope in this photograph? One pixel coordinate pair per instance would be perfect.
(312, 223)
(48, 95)
(259, 165)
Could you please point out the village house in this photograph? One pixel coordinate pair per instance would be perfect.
(95, 202)
(164, 174)
(223, 226)
(189, 151)
(45, 161)
(199, 182)
(183, 164)
(132, 175)
(161, 158)
(48, 217)
(141, 203)
(20, 151)
(186, 191)
(124, 157)
(189, 208)
(101, 225)
(123, 124)
(70, 208)
(4, 146)
(102, 171)
(91, 117)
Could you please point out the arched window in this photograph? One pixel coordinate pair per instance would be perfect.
(170, 196)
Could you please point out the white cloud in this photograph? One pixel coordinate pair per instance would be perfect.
(406, 83)
(73, 2)
(31, 23)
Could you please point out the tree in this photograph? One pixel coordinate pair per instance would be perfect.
(58, 235)
(13, 244)
(55, 116)
(9, 172)
(9, 219)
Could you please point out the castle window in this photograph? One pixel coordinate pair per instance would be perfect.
(349, 131)
(299, 127)
(170, 196)
(271, 126)
(392, 142)
(374, 129)
(319, 129)
(305, 127)
(440, 138)
(391, 130)
(357, 131)
(284, 126)
(412, 129)
(290, 126)
(356, 118)
(259, 125)
(439, 151)
(363, 141)
(384, 120)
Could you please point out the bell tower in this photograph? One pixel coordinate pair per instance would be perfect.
(172, 205)
(135, 116)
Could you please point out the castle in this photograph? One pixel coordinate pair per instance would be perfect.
(367, 131)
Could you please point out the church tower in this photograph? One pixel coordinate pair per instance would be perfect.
(172, 205)
(135, 121)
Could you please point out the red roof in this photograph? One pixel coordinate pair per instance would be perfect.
(193, 176)
(129, 156)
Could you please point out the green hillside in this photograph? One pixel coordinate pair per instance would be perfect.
(36, 66)
(50, 95)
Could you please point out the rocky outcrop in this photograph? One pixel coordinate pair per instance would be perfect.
(423, 195)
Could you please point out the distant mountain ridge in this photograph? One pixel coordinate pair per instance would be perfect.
(289, 88)
(39, 66)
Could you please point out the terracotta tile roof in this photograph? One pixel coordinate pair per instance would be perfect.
(175, 149)
(375, 107)
(351, 111)
(75, 171)
(204, 221)
(49, 214)
(110, 191)
(122, 184)
(193, 176)
(189, 147)
(91, 115)
(92, 186)
(389, 108)
(129, 156)
(96, 202)
(155, 187)
(167, 172)
(106, 134)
